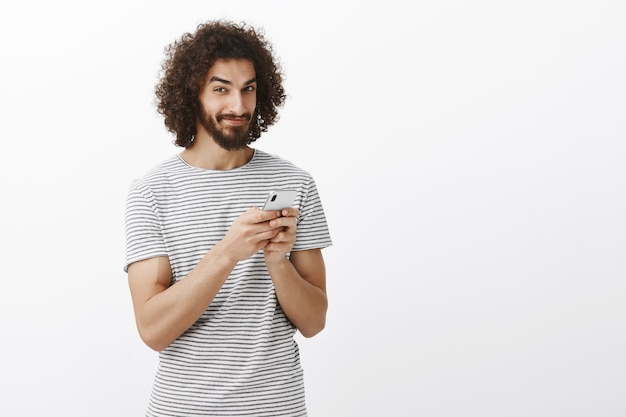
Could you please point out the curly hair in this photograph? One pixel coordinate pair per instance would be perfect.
(188, 61)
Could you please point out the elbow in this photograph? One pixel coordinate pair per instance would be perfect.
(157, 346)
(314, 327)
(153, 340)
(311, 331)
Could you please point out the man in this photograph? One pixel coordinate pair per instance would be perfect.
(219, 286)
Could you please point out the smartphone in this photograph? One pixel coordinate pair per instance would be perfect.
(279, 199)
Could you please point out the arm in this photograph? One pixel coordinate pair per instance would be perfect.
(300, 281)
(162, 311)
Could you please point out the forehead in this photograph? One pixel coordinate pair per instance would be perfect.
(233, 70)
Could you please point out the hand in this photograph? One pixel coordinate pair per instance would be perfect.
(282, 243)
(250, 232)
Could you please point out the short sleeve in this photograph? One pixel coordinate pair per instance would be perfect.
(144, 236)
(312, 232)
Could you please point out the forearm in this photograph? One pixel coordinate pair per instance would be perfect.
(169, 313)
(163, 312)
(303, 303)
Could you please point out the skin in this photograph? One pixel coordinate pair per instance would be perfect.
(164, 312)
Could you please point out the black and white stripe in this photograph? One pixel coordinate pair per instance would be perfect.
(240, 357)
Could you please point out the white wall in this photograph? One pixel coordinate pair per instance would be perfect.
(471, 160)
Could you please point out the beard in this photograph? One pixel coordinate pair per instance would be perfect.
(230, 138)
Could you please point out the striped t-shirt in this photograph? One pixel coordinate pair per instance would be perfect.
(240, 358)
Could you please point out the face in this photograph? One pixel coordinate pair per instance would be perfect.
(228, 101)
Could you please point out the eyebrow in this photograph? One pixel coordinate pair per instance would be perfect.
(223, 81)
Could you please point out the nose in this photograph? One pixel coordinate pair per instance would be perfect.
(235, 104)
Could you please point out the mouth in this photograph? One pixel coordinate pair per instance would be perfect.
(233, 120)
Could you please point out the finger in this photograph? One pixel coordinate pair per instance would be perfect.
(284, 236)
(256, 215)
(288, 222)
(290, 212)
(267, 234)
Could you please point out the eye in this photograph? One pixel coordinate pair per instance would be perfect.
(250, 88)
(219, 89)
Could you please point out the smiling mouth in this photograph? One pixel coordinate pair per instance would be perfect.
(234, 119)
(234, 122)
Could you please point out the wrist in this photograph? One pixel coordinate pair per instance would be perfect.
(221, 256)
(276, 260)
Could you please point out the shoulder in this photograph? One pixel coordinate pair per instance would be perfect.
(267, 161)
(159, 173)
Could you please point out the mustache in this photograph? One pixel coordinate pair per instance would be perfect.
(245, 116)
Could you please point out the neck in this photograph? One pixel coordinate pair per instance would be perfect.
(207, 154)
